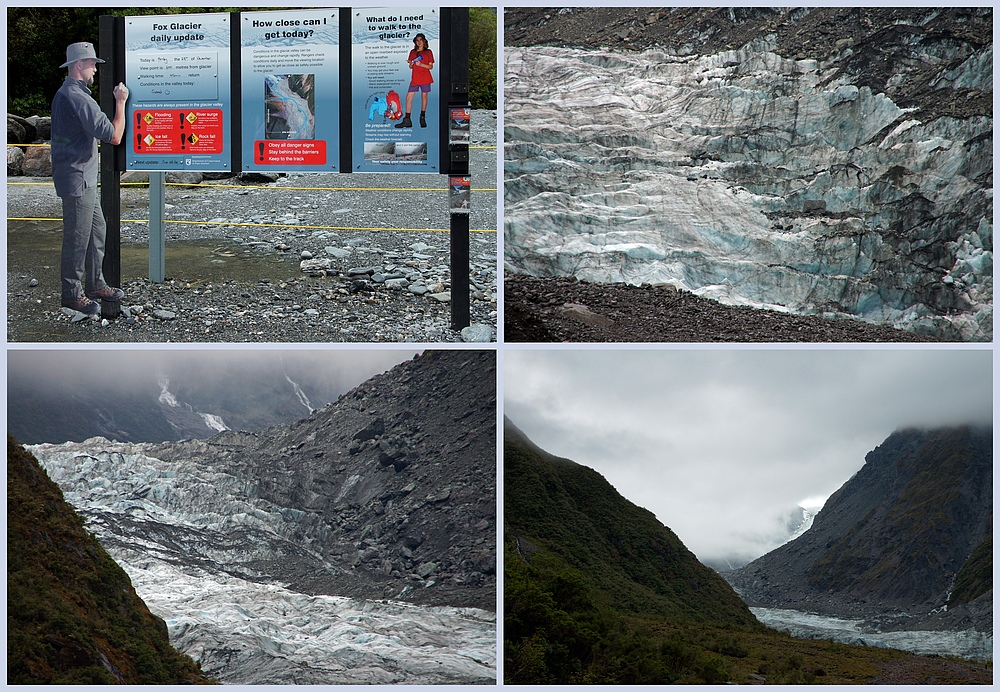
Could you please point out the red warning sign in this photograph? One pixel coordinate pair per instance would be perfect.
(277, 152)
(178, 131)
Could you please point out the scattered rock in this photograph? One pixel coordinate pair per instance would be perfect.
(477, 334)
(533, 312)
(582, 313)
(216, 305)
(370, 431)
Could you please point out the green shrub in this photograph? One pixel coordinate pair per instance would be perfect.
(712, 669)
(483, 57)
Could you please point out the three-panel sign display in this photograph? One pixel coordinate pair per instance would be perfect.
(288, 111)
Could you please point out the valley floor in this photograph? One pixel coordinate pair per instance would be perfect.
(567, 310)
(772, 657)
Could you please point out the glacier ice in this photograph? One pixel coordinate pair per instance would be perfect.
(749, 178)
(194, 540)
(967, 643)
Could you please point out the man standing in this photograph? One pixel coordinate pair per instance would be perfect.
(77, 124)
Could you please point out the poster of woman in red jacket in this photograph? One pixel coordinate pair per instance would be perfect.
(421, 62)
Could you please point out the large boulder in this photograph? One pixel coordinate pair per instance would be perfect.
(42, 125)
(15, 159)
(184, 177)
(258, 177)
(37, 162)
(16, 132)
(23, 128)
(134, 177)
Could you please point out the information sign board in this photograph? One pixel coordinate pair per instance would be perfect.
(290, 91)
(177, 69)
(387, 82)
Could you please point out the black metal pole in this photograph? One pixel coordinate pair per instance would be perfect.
(455, 80)
(111, 38)
(346, 89)
(235, 95)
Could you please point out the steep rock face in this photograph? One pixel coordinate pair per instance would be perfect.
(299, 554)
(759, 157)
(72, 614)
(893, 538)
(559, 506)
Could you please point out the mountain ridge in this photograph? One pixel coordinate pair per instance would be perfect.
(638, 548)
(894, 537)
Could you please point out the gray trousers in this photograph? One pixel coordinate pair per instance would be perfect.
(84, 232)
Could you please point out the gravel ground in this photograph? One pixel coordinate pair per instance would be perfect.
(233, 255)
(568, 310)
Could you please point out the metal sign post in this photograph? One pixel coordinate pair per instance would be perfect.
(455, 79)
(112, 71)
(157, 236)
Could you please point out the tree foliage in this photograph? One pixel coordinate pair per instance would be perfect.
(483, 57)
(36, 46)
(37, 38)
(558, 629)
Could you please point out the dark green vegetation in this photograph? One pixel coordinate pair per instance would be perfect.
(591, 579)
(975, 578)
(596, 590)
(72, 614)
(581, 521)
(37, 38)
(483, 57)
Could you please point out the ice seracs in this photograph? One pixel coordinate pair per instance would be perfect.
(752, 179)
(197, 541)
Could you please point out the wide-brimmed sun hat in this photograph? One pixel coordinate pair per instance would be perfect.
(80, 51)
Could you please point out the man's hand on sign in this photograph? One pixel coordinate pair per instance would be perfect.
(121, 92)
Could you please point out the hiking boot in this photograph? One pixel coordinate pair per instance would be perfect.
(83, 304)
(107, 293)
(423, 120)
(406, 122)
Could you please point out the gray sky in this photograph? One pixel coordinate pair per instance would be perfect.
(122, 369)
(718, 443)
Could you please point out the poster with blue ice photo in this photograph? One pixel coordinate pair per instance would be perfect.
(395, 103)
(290, 90)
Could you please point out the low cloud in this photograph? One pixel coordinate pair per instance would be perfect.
(722, 444)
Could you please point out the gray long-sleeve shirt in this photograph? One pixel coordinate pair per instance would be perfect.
(77, 124)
